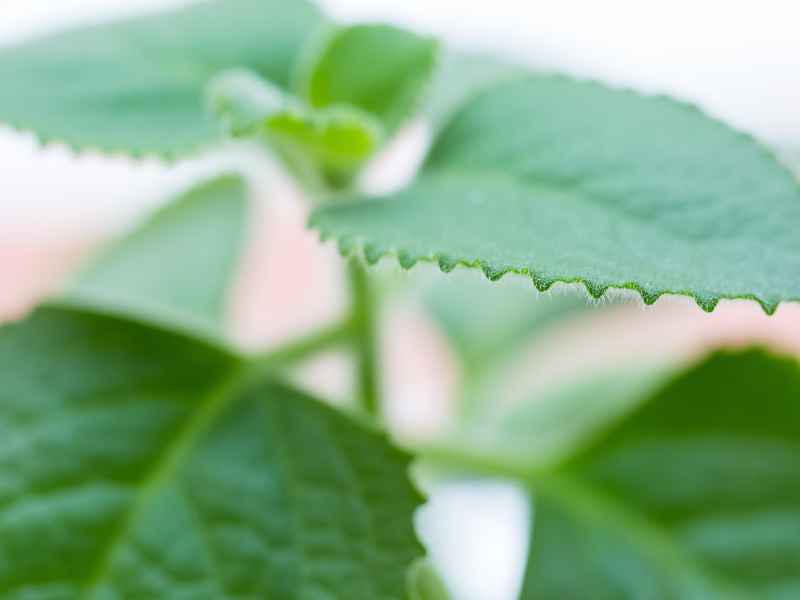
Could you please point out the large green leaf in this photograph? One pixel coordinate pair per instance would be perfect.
(138, 86)
(571, 181)
(694, 492)
(137, 463)
(379, 69)
(177, 265)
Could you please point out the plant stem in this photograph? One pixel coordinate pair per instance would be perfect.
(364, 337)
(319, 341)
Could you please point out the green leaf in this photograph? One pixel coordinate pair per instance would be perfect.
(137, 463)
(570, 181)
(424, 583)
(138, 86)
(176, 267)
(488, 323)
(379, 69)
(460, 76)
(242, 101)
(322, 147)
(694, 492)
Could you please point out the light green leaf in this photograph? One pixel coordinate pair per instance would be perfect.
(424, 583)
(138, 86)
(487, 323)
(570, 181)
(692, 493)
(140, 464)
(176, 267)
(379, 69)
(323, 147)
(459, 76)
(242, 101)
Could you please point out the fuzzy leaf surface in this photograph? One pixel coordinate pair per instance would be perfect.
(177, 265)
(137, 463)
(572, 181)
(137, 86)
(693, 492)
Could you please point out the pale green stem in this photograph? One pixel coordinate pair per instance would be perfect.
(364, 323)
(299, 349)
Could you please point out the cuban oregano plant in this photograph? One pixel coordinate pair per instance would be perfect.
(143, 455)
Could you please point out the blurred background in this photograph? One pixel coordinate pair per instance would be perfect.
(739, 61)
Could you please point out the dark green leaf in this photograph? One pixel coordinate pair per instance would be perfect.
(138, 86)
(379, 69)
(571, 181)
(693, 493)
(176, 266)
(139, 464)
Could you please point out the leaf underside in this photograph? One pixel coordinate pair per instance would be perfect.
(694, 493)
(137, 87)
(137, 463)
(567, 181)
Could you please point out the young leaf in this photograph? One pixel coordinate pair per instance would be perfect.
(424, 583)
(176, 266)
(571, 181)
(137, 86)
(322, 146)
(242, 100)
(693, 494)
(139, 464)
(379, 69)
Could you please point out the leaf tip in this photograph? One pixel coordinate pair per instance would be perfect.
(373, 253)
(595, 290)
(768, 306)
(446, 264)
(493, 273)
(541, 283)
(346, 246)
(649, 297)
(406, 260)
(707, 303)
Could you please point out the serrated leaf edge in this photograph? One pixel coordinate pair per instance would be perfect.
(44, 141)
(372, 253)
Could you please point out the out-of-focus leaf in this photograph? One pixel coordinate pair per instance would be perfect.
(459, 76)
(379, 69)
(322, 146)
(692, 492)
(138, 86)
(137, 463)
(424, 583)
(570, 181)
(487, 323)
(177, 265)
